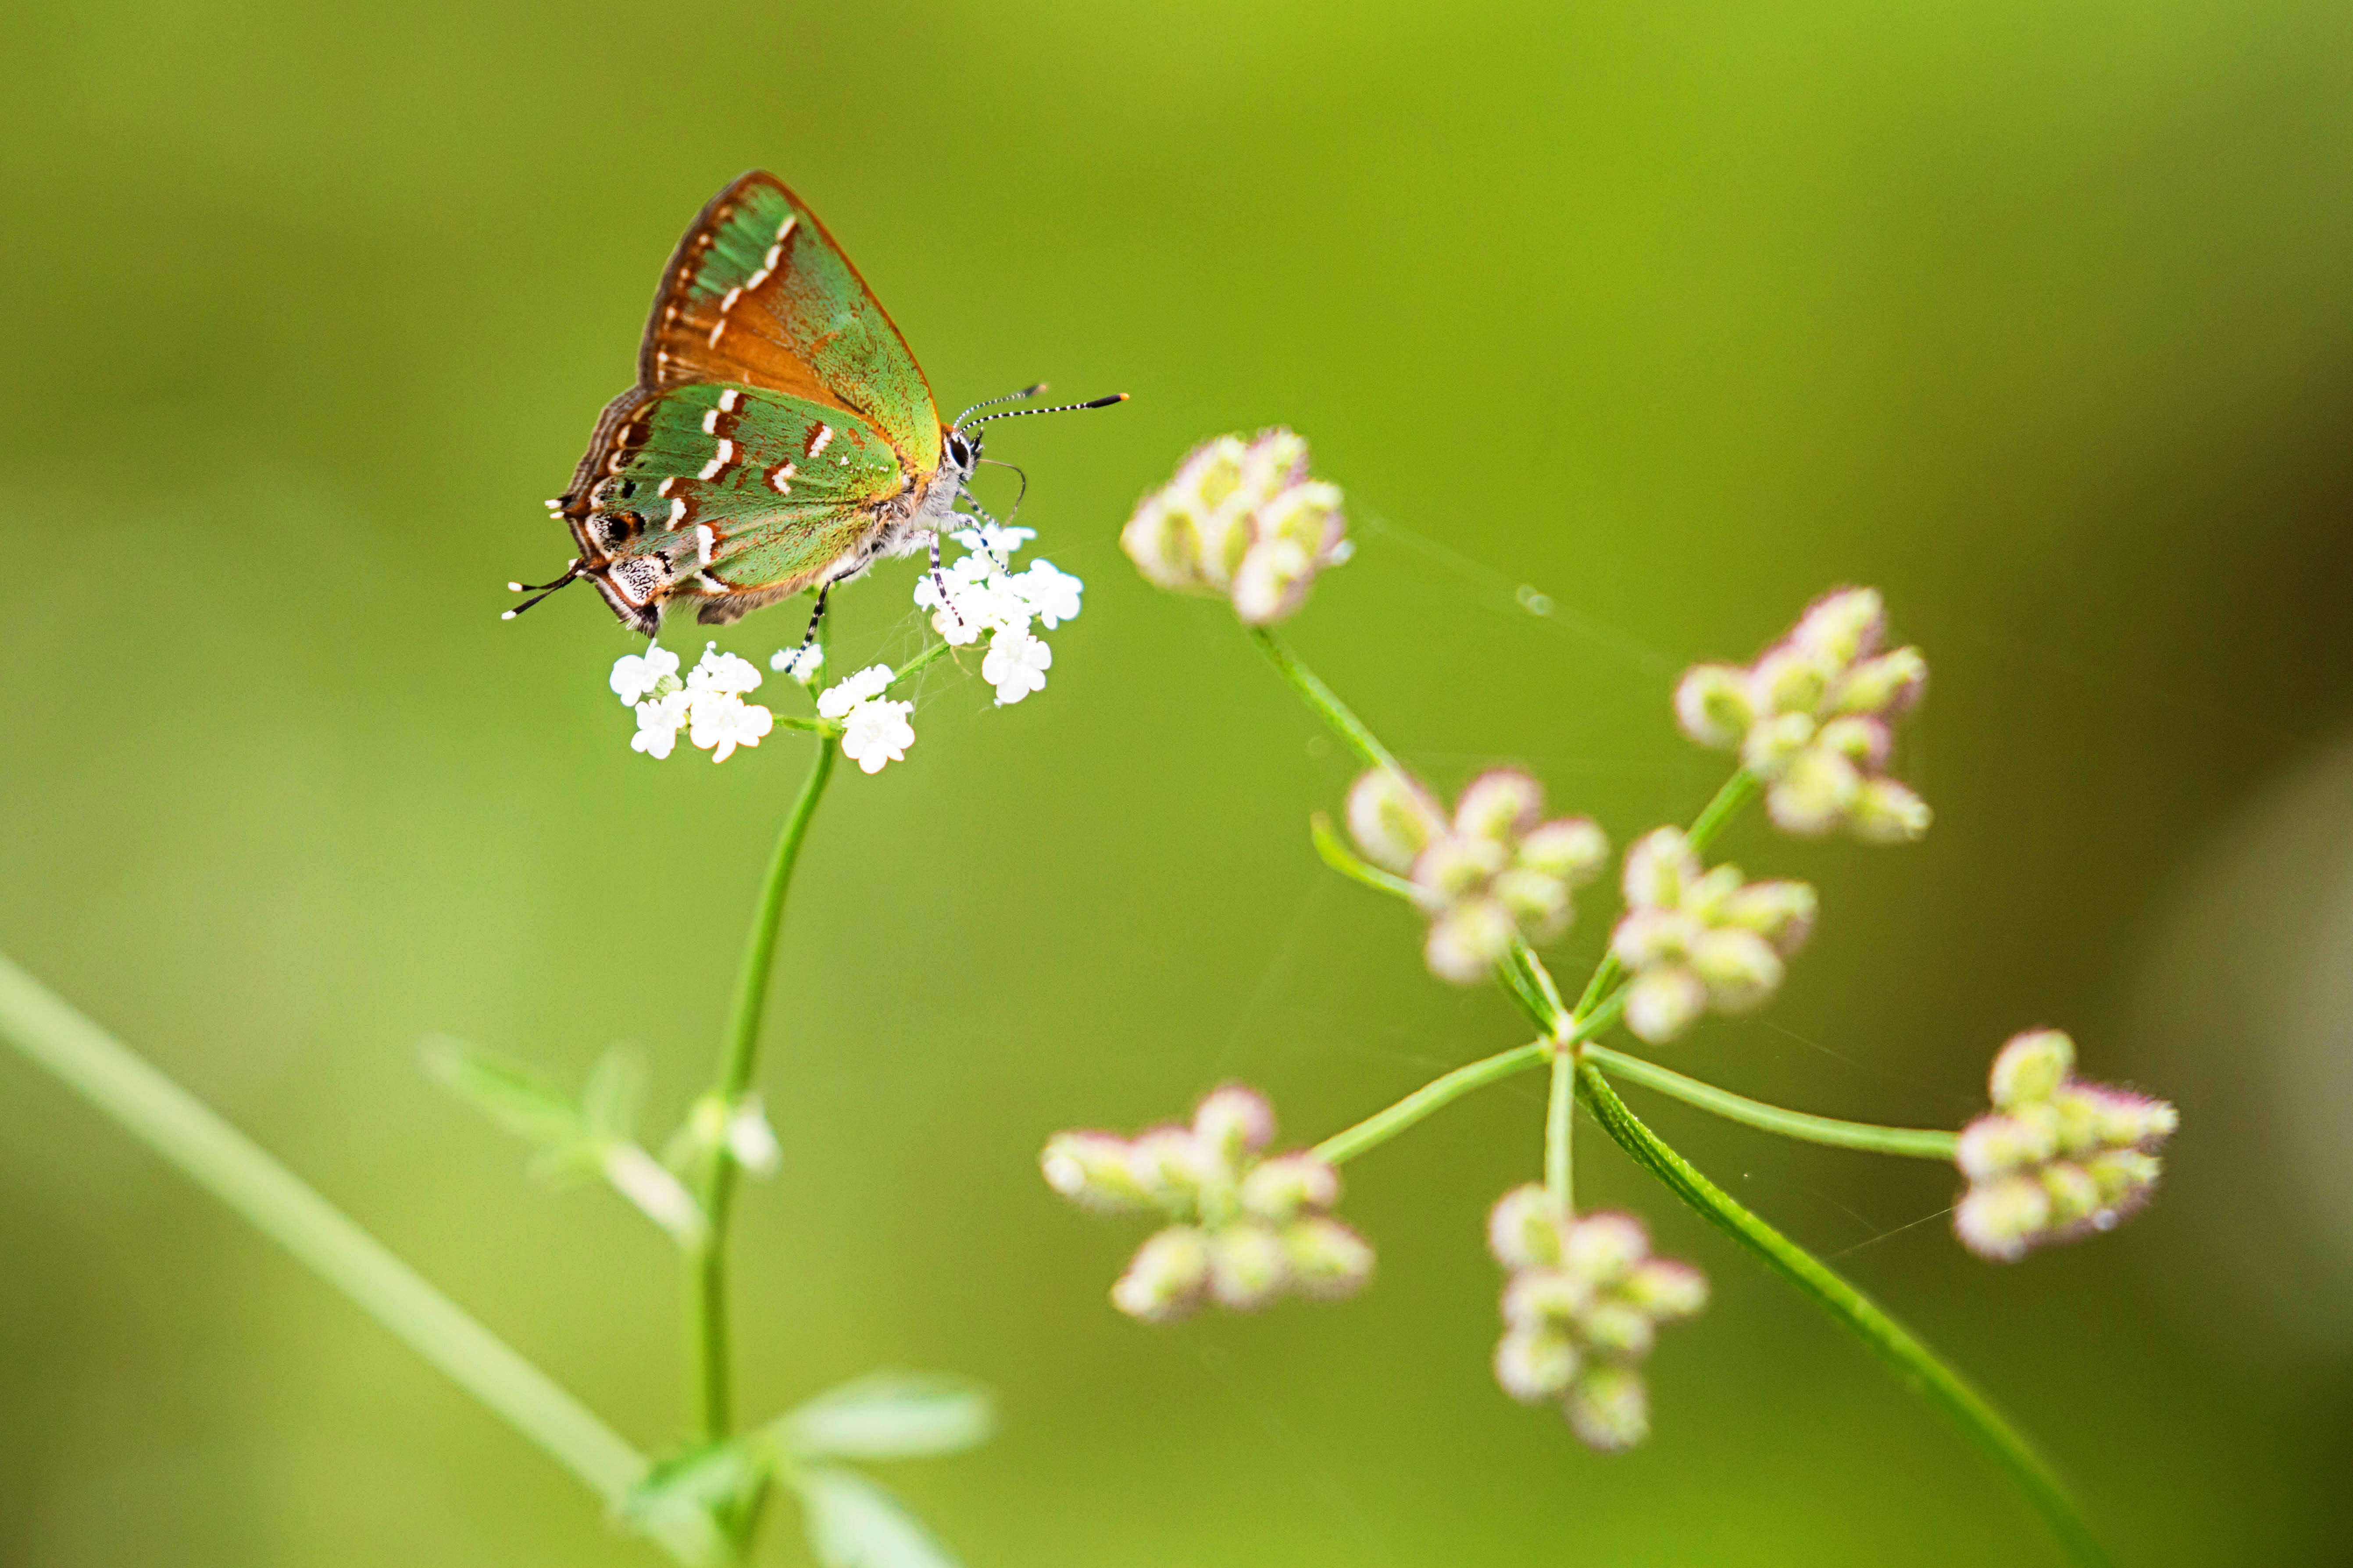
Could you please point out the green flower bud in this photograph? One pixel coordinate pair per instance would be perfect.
(1327, 1259)
(1467, 941)
(1704, 899)
(1226, 538)
(1610, 1409)
(1843, 627)
(2075, 1195)
(1648, 938)
(1616, 1330)
(1171, 1168)
(1392, 818)
(1524, 1228)
(1277, 1189)
(1274, 459)
(1862, 742)
(2030, 1068)
(1164, 1281)
(1885, 812)
(1783, 913)
(1570, 847)
(2124, 1176)
(1665, 1289)
(1740, 968)
(1661, 1003)
(1536, 1364)
(1713, 705)
(1997, 1145)
(1499, 805)
(1773, 743)
(1093, 1169)
(1815, 791)
(1270, 580)
(1659, 865)
(1999, 1220)
(1888, 685)
(1213, 472)
(1308, 515)
(1455, 866)
(1232, 1122)
(1248, 1265)
(1537, 900)
(1603, 1248)
(1538, 1297)
(1164, 539)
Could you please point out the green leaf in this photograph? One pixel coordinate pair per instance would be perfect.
(508, 1092)
(1913, 1361)
(616, 1086)
(890, 1416)
(703, 1502)
(853, 1523)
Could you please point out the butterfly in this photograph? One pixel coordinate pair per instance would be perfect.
(780, 435)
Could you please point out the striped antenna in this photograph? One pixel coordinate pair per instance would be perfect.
(1059, 408)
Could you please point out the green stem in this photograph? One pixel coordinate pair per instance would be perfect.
(1894, 1344)
(707, 1265)
(915, 665)
(1560, 1176)
(1382, 1126)
(1321, 698)
(1337, 855)
(1918, 1143)
(230, 1166)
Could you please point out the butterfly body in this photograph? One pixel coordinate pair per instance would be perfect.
(780, 436)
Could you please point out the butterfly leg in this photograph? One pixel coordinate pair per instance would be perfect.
(940, 583)
(816, 620)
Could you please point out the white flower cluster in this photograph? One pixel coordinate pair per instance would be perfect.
(1242, 520)
(986, 598)
(1493, 871)
(1697, 939)
(1812, 717)
(874, 728)
(2057, 1158)
(1249, 1228)
(1581, 1310)
(708, 704)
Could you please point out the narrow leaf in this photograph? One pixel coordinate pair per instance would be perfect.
(509, 1093)
(890, 1416)
(701, 1502)
(853, 1523)
(617, 1085)
(1913, 1361)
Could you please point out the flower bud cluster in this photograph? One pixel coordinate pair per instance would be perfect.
(708, 704)
(1812, 717)
(1699, 939)
(1494, 870)
(1241, 520)
(2057, 1158)
(1249, 1227)
(1580, 1311)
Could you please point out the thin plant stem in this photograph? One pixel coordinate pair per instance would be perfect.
(1321, 698)
(1382, 1126)
(1560, 1173)
(1891, 1340)
(1337, 855)
(1918, 1143)
(194, 1141)
(707, 1264)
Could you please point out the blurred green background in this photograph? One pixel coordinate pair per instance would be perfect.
(2041, 318)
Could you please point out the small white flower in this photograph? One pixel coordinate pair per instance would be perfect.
(1053, 595)
(720, 719)
(637, 677)
(722, 673)
(658, 723)
(750, 1140)
(1015, 665)
(852, 689)
(876, 732)
(802, 664)
(995, 541)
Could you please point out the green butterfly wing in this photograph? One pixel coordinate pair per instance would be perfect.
(736, 496)
(759, 294)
